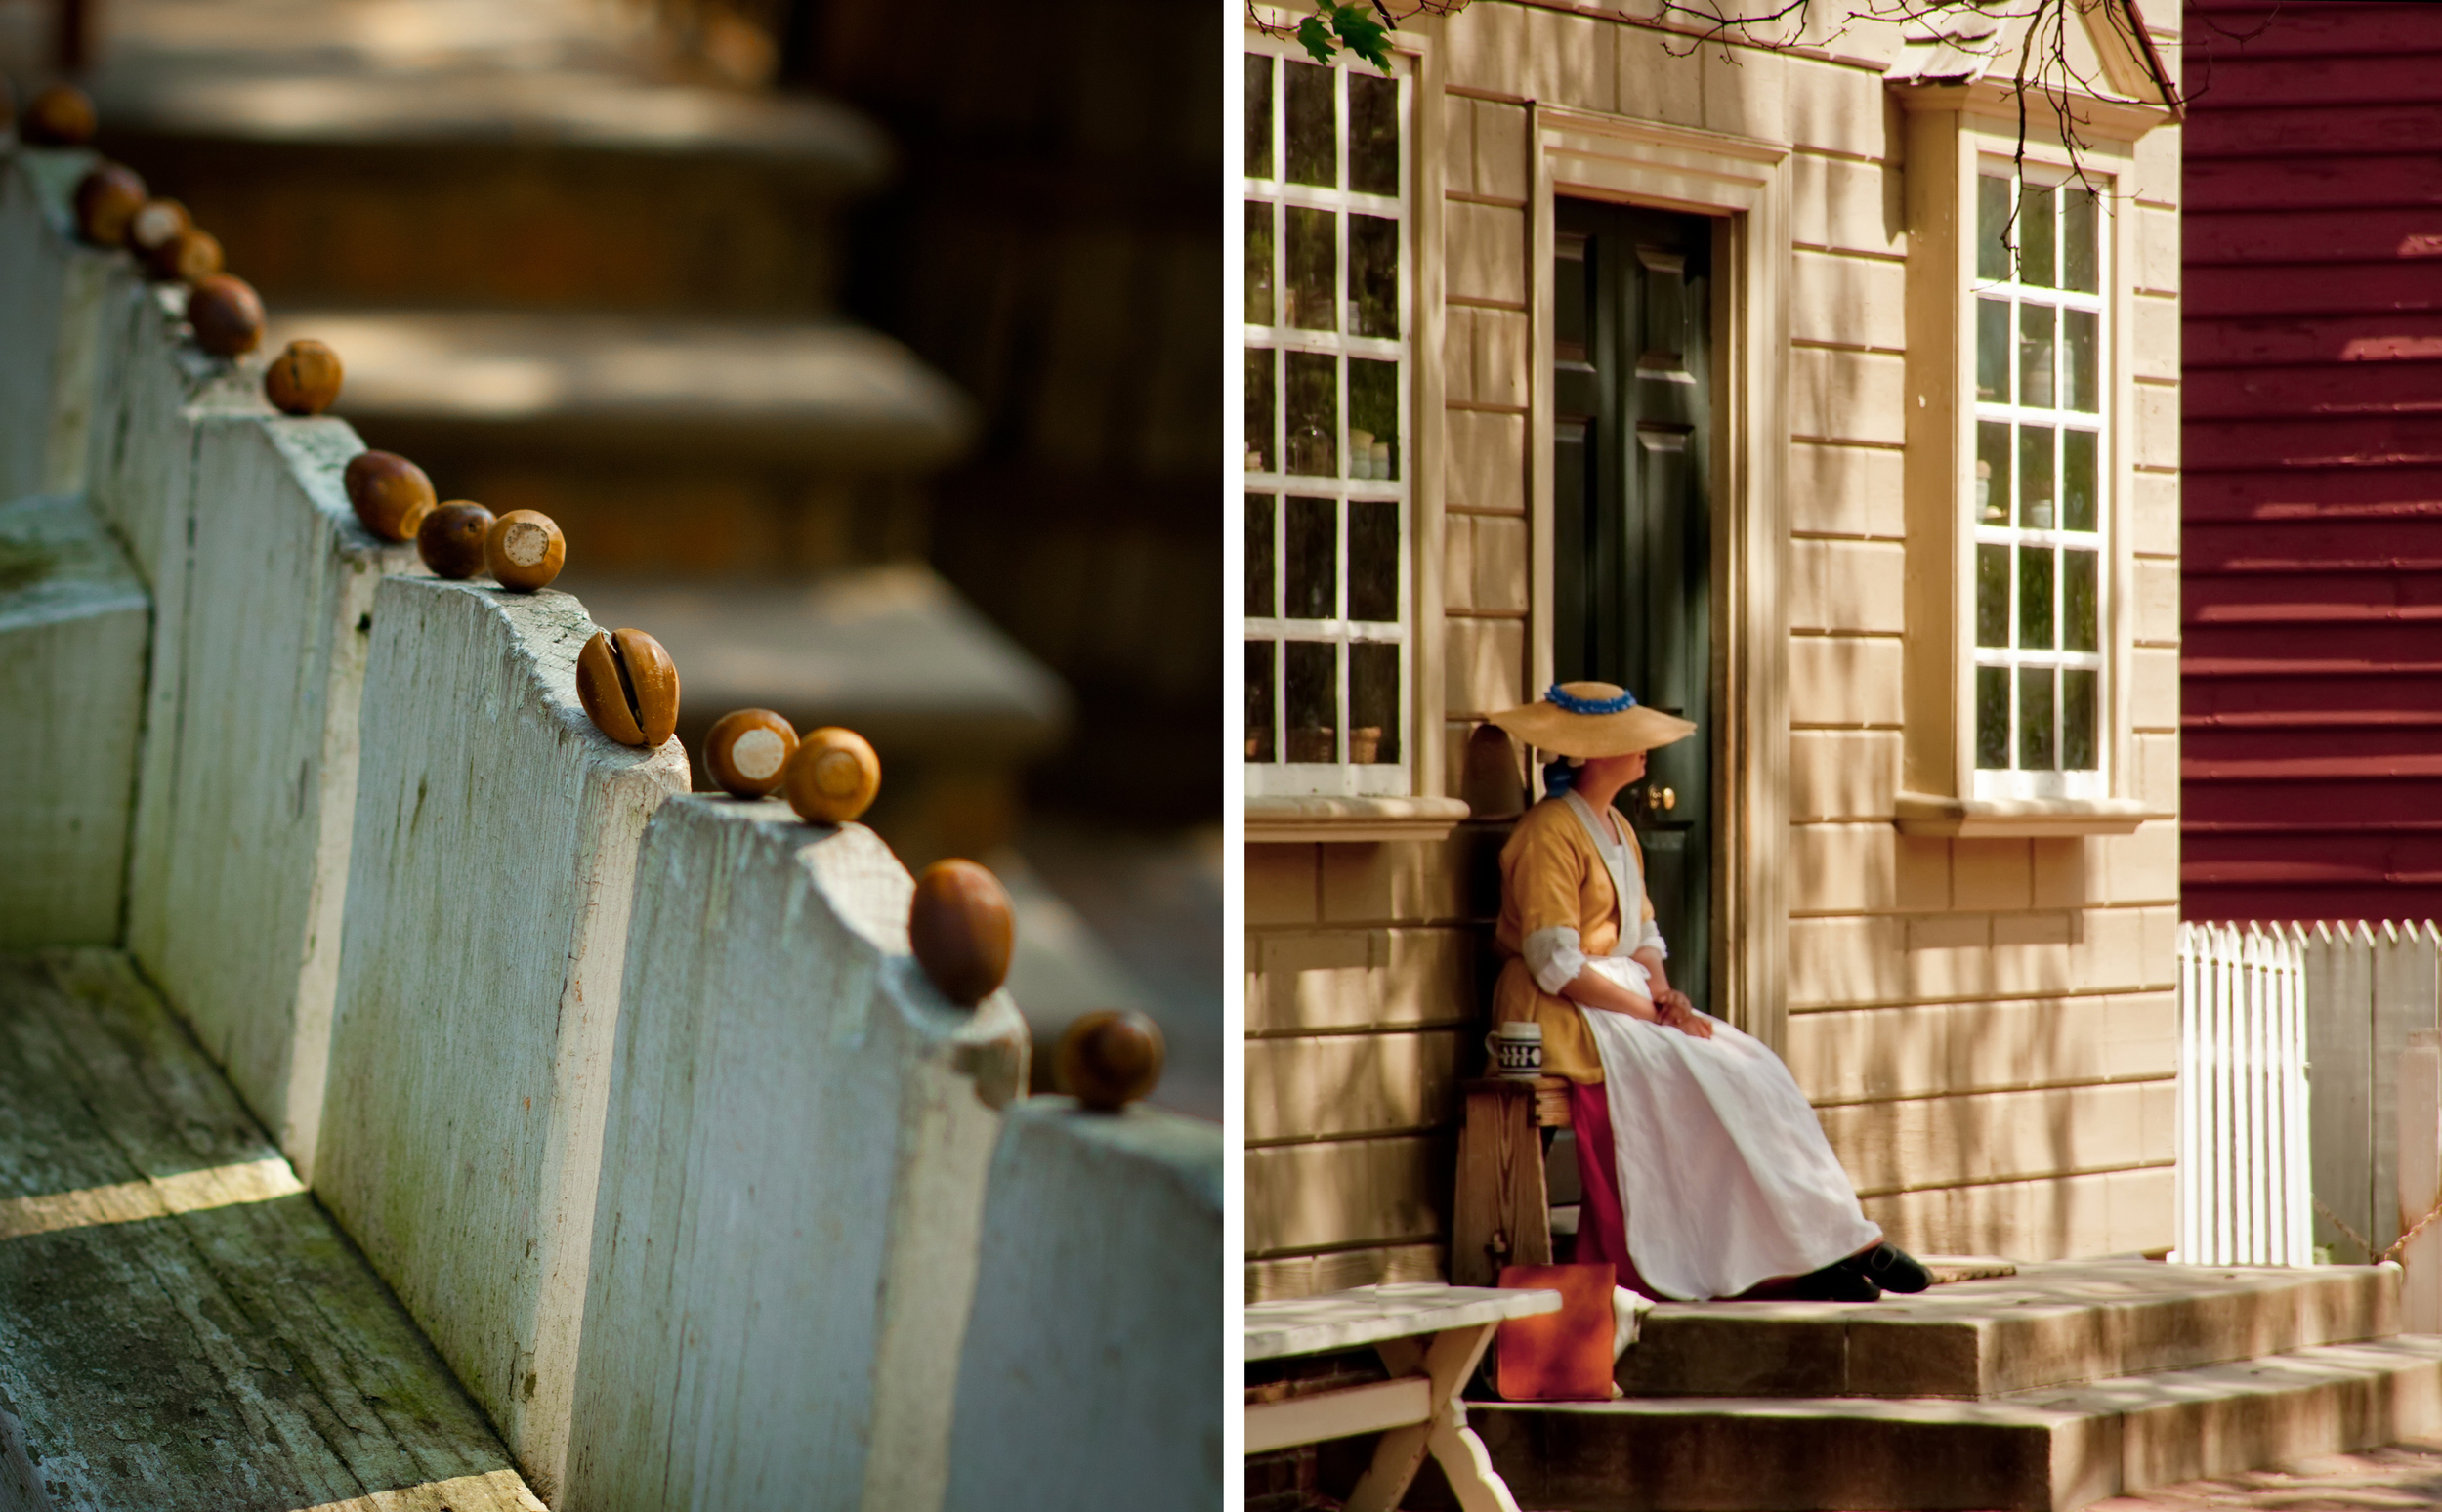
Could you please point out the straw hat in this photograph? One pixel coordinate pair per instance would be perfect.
(1587, 720)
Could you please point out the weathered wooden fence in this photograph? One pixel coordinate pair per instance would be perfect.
(2368, 988)
(635, 1098)
(2243, 1188)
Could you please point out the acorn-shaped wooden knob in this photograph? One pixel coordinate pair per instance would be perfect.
(304, 379)
(60, 117)
(961, 928)
(450, 540)
(226, 314)
(389, 493)
(107, 199)
(832, 778)
(157, 223)
(525, 551)
(629, 687)
(747, 751)
(1108, 1060)
(189, 257)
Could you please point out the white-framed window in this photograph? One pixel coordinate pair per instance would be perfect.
(1329, 324)
(2039, 494)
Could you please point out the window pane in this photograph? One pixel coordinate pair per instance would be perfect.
(1311, 560)
(1372, 419)
(2035, 352)
(2035, 719)
(2081, 384)
(1314, 697)
(2077, 481)
(2080, 266)
(2079, 749)
(2079, 617)
(1259, 118)
(1259, 263)
(1313, 126)
(1992, 473)
(1993, 718)
(2035, 476)
(2034, 237)
(1992, 230)
(1313, 259)
(1261, 396)
(1314, 414)
(2035, 597)
(1373, 703)
(1992, 596)
(1992, 351)
(1259, 701)
(1372, 561)
(1373, 276)
(1373, 134)
(1263, 584)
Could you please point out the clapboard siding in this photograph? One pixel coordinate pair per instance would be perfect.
(2312, 541)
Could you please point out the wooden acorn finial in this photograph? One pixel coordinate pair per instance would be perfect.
(961, 928)
(832, 776)
(61, 116)
(226, 314)
(304, 379)
(1108, 1060)
(107, 199)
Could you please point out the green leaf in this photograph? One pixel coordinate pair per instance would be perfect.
(1315, 38)
(1362, 35)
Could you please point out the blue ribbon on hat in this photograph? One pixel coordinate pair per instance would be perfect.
(1573, 704)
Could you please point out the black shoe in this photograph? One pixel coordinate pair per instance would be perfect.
(1837, 1282)
(1890, 1268)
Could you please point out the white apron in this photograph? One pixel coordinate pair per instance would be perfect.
(1724, 1173)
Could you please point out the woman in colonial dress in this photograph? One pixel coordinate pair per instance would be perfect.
(1705, 1173)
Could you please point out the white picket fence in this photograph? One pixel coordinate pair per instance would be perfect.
(2244, 1187)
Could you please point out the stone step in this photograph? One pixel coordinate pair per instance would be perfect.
(2035, 1452)
(2049, 1325)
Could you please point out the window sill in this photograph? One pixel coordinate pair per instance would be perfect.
(2020, 818)
(1309, 821)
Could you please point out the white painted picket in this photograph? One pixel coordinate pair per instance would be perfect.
(2244, 1190)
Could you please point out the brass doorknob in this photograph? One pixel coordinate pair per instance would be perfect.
(1657, 799)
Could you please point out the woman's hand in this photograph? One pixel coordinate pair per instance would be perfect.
(1673, 1010)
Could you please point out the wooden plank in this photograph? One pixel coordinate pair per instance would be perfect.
(1359, 978)
(1352, 1084)
(799, 1135)
(2054, 1218)
(2340, 1072)
(73, 624)
(1307, 1276)
(50, 303)
(1501, 1214)
(478, 986)
(2002, 1136)
(1096, 1335)
(1338, 1414)
(239, 865)
(2407, 991)
(230, 1351)
(1374, 1315)
(1348, 1193)
(2418, 1164)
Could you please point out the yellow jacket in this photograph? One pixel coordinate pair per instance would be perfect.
(1551, 876)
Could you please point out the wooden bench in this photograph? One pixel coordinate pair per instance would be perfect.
(1502, 1215)
(1430, 1336)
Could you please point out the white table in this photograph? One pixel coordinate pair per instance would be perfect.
(1431, 1337)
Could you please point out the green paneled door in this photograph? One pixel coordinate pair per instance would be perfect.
(1633, 536)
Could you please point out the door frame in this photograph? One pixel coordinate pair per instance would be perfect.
(1744, 186)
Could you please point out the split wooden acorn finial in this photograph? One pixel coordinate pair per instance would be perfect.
(304, 379)
(1109, 1059)
(629, 687)
(962, 930)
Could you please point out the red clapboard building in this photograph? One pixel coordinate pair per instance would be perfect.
(2311, 661)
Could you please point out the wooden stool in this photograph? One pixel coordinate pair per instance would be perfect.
(1504, 1213)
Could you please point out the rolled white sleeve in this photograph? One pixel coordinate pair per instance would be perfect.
(1652, 940)
(1555, 956)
